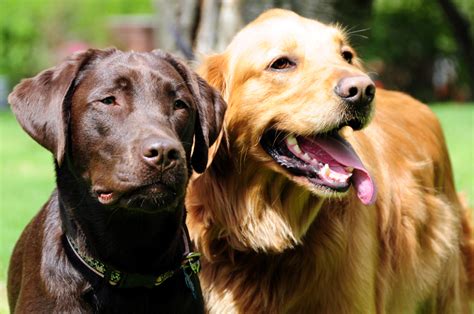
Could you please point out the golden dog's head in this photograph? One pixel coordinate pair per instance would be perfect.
(292, 84)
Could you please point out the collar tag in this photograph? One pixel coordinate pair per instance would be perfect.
(114, 277)
(193, 260)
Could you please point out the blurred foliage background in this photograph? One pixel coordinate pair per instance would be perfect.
(32, 32)
(407, 44)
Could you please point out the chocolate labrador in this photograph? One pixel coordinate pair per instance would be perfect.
(125, 129)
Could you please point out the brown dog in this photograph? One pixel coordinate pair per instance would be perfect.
(297, 213)
(111, 238)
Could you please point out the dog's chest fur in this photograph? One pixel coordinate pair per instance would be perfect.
(75, 292)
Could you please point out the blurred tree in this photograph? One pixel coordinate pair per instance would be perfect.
(176, 25)
(205, 28)
(206, 38)
(407, 38)
(462, 32)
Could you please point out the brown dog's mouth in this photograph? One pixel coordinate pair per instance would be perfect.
(107, 197)
(326, 161)
(153, 196)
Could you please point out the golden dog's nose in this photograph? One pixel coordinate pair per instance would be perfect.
(357, 90)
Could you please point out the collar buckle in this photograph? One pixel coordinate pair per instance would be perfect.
(191, 260)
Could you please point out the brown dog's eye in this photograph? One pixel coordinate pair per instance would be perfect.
(179, 104)
(108, 100)
(347, 55)
(282, 63)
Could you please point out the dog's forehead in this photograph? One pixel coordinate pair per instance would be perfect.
(280, 31)
(136, 67)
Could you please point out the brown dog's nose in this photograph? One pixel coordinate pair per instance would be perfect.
(358, 90)
(160, 152)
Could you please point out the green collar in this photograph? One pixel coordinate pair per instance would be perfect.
(189, 265)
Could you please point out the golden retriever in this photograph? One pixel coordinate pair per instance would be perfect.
(299, 211)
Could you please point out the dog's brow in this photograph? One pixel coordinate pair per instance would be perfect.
(180, 85)
(123, 82)
(172, 88)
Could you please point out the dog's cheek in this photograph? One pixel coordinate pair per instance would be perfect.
(92, 139)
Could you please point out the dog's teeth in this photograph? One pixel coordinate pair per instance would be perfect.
(326, 170)
(291, 140)
(334, 176)
(297, 149)
(349, 169)
(305, 157)
(346, 131)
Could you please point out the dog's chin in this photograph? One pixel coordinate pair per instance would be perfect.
(325, 164)
(150, 198)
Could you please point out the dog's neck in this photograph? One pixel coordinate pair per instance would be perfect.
(129, 241)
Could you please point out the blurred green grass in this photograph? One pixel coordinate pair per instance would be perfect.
(26, 180)
(27, 173)
(458, 126)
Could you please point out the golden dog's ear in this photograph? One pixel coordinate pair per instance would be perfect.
(38, 102)
(210, 111)
(213, 71)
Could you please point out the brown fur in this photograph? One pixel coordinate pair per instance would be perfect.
(273, 244)
(122, 125)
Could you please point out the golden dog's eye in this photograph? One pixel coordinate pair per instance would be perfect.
(282, 63)
(179, 104)
(347, 55)
(108, 100)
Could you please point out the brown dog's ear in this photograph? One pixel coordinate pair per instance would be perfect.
(209, 124)
(210, 110)
(38, 102)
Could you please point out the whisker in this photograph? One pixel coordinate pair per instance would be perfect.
(351, 32)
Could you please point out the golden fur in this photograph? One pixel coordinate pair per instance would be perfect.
(273, 244)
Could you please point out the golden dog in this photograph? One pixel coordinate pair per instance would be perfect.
(291, 218)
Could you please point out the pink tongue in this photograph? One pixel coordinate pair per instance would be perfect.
(343, 153)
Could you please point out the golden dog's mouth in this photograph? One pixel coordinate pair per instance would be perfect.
(326, 161)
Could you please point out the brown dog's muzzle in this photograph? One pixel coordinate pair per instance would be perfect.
(161, 153)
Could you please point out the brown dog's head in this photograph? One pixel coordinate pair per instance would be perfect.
(125, 122)
(292, 84)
